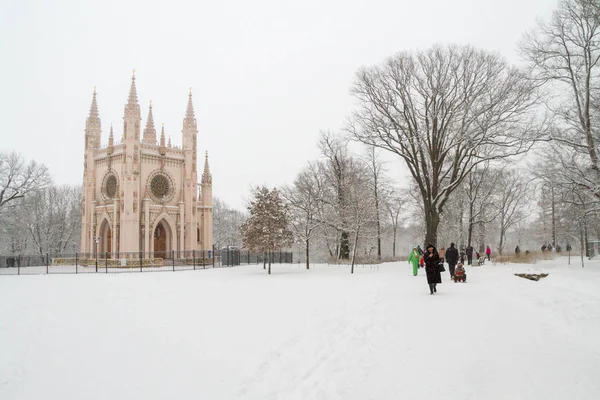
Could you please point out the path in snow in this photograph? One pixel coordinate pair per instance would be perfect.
(320, 334)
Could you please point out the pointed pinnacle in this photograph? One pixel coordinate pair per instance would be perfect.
(133, 99)
(190, 117)
(94, 107)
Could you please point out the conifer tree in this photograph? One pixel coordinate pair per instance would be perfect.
(267, 227)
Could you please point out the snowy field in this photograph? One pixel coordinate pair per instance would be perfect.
(237, 333)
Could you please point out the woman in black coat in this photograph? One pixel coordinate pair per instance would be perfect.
(432, 268)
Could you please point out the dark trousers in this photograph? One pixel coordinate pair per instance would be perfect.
(451, 267)
(470, 259)
(488, 257)
(432, 287)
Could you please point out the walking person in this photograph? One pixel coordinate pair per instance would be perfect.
(452, 259)
(413, 259)
(488, 252)
(470, 255)
(432, 268)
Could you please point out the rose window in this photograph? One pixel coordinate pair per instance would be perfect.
(111, 186)
(159, 186)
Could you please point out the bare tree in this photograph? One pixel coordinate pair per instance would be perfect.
(379, 185)
(305, 198)
(395, 204)
(266, 229)
(53, 218)
(19, 179)
(444, 111)
(226, 224)
(480, 190)
(337, 170)
(512, 202)
(564, 54)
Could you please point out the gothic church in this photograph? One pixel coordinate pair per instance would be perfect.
(143, 195)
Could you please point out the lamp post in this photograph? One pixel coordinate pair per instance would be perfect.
(96, 241)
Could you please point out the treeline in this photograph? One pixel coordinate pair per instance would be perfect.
(36, 215)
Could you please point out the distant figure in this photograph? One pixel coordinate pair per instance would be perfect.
(442, 254)
(414, 259)
(432, 268)
(488, 252)
(420, 249)
(544, 247)
(517, 251)
(452, 258)
(460, 274)
(549, 248)
(558, 248)
(569, 248)
(469, 253)
(462, 256)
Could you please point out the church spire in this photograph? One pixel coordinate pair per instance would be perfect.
(111, 137)
(94, 115)
(150, 131)
(132, 101)
(162, 136)
(190, 117)
(206, 176)
(93, 125)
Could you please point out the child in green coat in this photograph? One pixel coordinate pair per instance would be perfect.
(413, 259)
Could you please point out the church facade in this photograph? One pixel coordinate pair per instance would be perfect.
(142, 194)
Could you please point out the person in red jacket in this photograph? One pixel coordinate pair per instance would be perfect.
(488, 252)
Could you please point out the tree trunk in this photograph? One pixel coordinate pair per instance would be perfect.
(354, 251)
(432, 220)
(269, 262)
(501, 240)
(378, 221)
(582, 244)
(553, 221)
(471, 224)
(344, 246)
(394, 244)
(307, 255)
(264, 261)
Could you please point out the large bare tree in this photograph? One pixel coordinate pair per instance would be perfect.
(444, 111)
(564, 54)
(19, 179)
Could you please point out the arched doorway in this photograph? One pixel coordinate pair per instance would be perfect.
(105, 244)
(162, 239)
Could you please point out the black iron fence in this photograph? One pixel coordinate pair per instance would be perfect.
(106, 262)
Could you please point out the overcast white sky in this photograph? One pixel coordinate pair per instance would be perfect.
(267, 75)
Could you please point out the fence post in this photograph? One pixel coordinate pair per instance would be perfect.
(203, 259)
(47, 263)
(106, 261)
(173, 256)
(19, 265)
(76, 260)
(141, 263)
(194, 258)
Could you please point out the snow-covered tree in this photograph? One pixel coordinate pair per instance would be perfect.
(226, 224)
(444, 111)
(305, 199)
(18, 179)
(267, 227)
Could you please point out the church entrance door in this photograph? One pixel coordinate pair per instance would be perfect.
(160, 241)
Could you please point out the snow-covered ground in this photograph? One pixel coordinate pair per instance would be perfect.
(238, 333)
